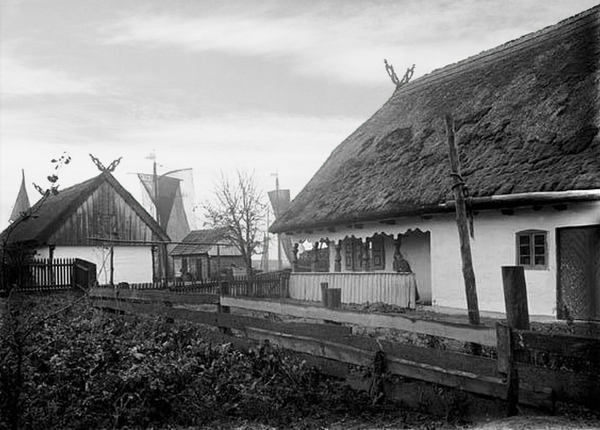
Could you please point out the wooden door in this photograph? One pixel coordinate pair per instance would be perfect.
(578, 294)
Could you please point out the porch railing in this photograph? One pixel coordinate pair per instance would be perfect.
(361, 287)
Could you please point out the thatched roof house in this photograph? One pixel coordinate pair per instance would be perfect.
(527, 120)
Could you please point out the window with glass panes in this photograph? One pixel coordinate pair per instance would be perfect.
(531, 249)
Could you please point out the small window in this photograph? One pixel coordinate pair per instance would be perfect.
(532, 252)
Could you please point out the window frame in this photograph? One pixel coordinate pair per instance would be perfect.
(531, 234)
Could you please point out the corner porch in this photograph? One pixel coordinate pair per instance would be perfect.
(366, 267)
(392, 288)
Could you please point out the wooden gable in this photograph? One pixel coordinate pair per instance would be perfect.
(97, 208)
(104, 214)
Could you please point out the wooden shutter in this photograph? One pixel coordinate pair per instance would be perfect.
(378, 253)
(349, 254)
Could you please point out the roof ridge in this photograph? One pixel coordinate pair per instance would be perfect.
(488, 56)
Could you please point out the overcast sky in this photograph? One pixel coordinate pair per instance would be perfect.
(219, 85)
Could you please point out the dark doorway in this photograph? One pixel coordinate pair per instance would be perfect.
(578, 290)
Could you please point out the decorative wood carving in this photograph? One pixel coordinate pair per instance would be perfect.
(338, 257)
(315, 261)
(366, 255)
(295, 257)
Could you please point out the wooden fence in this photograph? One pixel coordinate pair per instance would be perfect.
(333, 339)
(262, 285)
(45, 275)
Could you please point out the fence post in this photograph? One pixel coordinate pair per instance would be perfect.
(515, 297)
(334, 298)
(517, 318)
(224, 291)
(324, 288)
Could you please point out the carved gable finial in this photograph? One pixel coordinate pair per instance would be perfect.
(392, 74)
(111, 167)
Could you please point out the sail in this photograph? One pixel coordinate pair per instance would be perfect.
(170, 201)
(22, 202)
(280, 201)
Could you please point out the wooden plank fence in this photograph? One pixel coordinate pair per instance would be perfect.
(263, 285)
(329, 336)
(47, 275)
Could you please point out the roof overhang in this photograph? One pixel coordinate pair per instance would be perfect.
(504, 201)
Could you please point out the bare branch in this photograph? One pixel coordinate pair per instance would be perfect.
(238, 210)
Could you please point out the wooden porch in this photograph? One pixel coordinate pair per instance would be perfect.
(392, 288)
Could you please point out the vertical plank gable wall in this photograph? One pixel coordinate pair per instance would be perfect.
(101, 214)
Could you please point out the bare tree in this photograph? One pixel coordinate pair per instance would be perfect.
(239, 210)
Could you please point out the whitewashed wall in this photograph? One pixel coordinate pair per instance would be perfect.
(494, 246)
(132, 264)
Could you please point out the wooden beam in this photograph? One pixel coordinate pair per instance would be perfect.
(517, 317)
(568, 346)
(463, 226)
(462, 332)
(515, 297)
(154, 295)
(486, 385)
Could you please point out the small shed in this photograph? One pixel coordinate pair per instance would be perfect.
(204, 254)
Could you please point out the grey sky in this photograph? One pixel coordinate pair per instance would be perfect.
(216, 85)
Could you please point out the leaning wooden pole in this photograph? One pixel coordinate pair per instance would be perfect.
(463, 228)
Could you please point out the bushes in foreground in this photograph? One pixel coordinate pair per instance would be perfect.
(86, 369)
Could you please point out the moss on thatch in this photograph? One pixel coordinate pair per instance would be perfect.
(526, 119)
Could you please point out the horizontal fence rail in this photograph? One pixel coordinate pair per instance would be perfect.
(328, 336)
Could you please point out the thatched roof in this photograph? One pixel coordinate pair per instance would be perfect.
(526, 118)
(51, 213)
(199, 242)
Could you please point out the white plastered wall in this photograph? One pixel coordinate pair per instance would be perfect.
(494, 246)
(132, 264)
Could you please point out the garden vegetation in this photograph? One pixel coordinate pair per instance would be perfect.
(65, 365)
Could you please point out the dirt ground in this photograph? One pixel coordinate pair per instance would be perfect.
(536, 422)
(422, 422)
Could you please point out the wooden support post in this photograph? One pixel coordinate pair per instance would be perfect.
(515, 297)
(338, 257)
(112, 265)
(315, 262)
(366, 257)
(295, 257)
(517, 317)
(224, 291)
(512, 379)
(463, 226)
